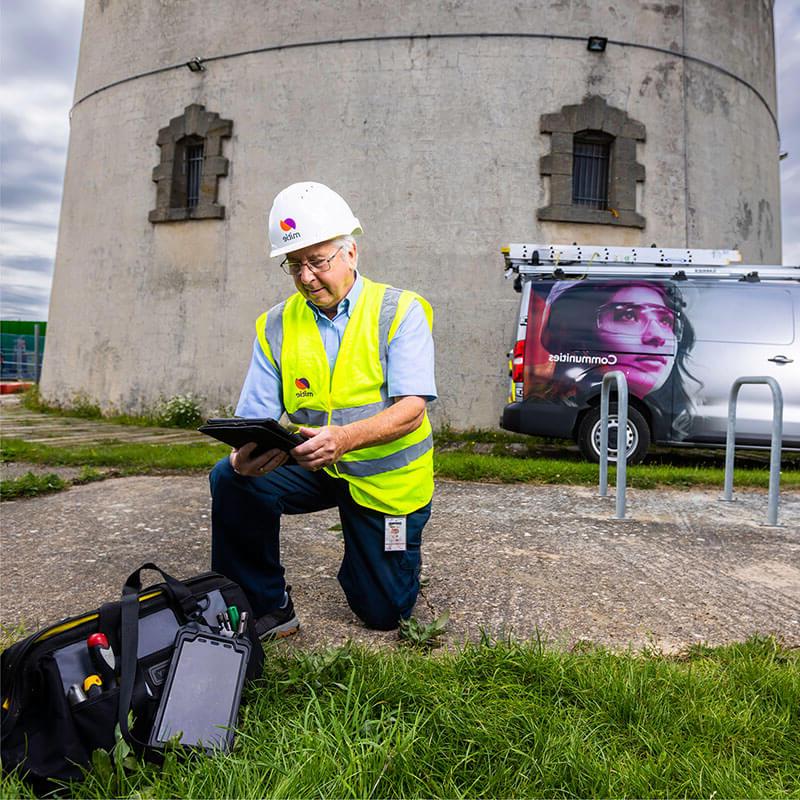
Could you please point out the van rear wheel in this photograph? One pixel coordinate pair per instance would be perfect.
(638, 438)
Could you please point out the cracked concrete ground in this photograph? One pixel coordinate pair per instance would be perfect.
(506, 559)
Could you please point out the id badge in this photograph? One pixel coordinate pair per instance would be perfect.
(394, 533)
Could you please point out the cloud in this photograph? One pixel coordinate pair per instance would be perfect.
(32, 274)
(40, 38)
(30, 265)
(39, 108)
(28, 239)
(790, 204)
(20, 302)
(25, 292)
(787, 45)
(39, 42)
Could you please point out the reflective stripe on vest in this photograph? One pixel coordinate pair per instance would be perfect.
(339, 416)
(394, 478)
(391, 298)
(376, 466)
(309, 417)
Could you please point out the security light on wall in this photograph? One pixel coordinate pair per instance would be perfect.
(597, 44)
(196, 65)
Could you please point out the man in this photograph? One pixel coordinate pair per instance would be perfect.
(351, 362)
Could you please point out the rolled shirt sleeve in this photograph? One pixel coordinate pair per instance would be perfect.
(262, 394)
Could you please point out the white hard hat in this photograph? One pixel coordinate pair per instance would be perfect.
(308, 213)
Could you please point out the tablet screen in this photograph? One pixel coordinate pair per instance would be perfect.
(202, 695)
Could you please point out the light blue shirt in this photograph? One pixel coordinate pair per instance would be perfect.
(409, 362)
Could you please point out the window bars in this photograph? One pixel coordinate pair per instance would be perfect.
(591, 153)
(194, 171)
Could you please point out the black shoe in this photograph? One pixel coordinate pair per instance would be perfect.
(280, 622)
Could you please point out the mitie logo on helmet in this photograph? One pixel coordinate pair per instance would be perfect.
(288, 226)
(304, 385)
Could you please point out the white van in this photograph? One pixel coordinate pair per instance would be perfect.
(682, 325)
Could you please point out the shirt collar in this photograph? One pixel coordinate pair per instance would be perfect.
(347, 303)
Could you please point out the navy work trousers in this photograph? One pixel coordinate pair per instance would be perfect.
(246, 513)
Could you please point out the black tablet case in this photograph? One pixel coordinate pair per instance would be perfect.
(200, 701)
(267, 433)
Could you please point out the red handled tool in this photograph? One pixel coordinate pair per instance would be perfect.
(103, 659)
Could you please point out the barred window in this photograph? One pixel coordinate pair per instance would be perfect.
(591, 168)
(190, 167)
(591, 156)
(187, 172)
(193, 170)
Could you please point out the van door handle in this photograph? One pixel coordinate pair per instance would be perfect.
(781, 360)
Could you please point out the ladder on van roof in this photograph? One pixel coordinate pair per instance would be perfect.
(599, 260)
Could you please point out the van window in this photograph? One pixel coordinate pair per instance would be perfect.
(743, 313)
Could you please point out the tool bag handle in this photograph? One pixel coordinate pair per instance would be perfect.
(179, 592)
(129, 638)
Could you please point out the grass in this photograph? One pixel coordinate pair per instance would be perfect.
(517, 469)
(130, 459)
(31, 485)
(458, 464)
(475, 455)
(499, 720)
(182, 411)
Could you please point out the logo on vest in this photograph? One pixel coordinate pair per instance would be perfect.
(289, 226)
(304, 386)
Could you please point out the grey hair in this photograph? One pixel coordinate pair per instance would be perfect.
(346, 241)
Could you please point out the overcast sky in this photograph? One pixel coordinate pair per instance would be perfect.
(39, 42)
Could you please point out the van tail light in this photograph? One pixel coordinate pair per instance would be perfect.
(518, 361)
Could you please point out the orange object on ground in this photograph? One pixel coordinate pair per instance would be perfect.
(10, 387)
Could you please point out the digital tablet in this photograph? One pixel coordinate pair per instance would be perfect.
(267, 433)
(200, 702)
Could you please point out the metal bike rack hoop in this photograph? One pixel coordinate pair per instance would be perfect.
(618, 377)
(775, 446)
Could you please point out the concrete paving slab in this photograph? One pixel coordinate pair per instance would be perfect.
(16, 469)
(507, 559)
(36, 428)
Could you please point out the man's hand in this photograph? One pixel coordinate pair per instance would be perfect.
(244, 463)
(325, 446)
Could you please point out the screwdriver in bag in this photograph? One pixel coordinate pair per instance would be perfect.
(92, 686)
(102, 657)
(76, 695)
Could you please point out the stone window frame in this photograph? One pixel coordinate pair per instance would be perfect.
(194, 125)
(593, 115)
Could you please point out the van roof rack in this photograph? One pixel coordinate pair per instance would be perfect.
(556, 260)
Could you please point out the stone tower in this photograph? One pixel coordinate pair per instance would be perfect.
(451, 128)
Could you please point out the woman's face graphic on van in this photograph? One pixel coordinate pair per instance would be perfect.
(639, 328)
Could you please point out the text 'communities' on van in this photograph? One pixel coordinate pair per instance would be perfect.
(682, 325)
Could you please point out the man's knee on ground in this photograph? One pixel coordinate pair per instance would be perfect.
(384, 618)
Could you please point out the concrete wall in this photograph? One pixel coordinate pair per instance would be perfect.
(435, 144)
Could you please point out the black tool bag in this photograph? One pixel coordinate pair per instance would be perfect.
(51, 737)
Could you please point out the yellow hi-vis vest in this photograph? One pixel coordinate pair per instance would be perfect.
(393, 478)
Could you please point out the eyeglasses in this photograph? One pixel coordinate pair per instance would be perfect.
(634, 318)
(316, 265)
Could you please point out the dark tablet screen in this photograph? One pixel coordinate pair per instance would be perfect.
(201, 704)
